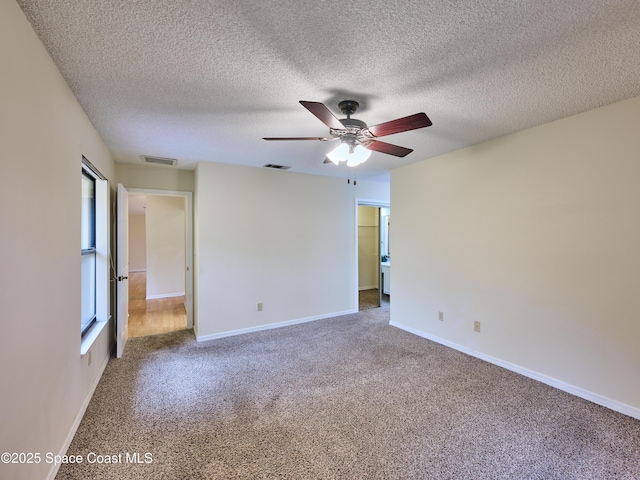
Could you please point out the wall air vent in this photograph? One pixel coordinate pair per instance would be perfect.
(169, 162)
(276, 167)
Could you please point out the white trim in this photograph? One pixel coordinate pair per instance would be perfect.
(92, 334)
(190, 235)
(164, 295)
(103, 239)
(269, 326)
(103, 249)
(137, 270)
(366, 202)
(553, 382)
(72, 432)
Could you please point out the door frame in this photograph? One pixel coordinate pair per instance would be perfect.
(365, 202)
(188, 196)
(122, 269)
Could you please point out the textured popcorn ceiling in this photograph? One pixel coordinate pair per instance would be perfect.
(205, 80)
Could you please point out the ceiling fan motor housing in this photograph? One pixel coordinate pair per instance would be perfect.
(354, 128)
(348, 107)
(353, 133)
(353, 123)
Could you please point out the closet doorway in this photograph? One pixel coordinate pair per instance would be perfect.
(373, 270)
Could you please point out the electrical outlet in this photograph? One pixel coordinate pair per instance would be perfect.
(441, 316)
(260, 306)
(476, 326)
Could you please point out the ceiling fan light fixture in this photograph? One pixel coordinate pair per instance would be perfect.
(354, 155)
(358, 156)
(339, 154)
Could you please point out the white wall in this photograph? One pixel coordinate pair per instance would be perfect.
(368, 250)
(45, 383)
(137, 243)
(280, 238)
(165, 235)
(535, 235)
(155, 177)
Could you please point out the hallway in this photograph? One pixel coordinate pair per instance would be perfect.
(151, 317)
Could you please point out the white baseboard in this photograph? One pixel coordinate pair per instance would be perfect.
(63, 451)
(566, 387)
(269, 326)
(371, 287)
(137, 270)
(165, 295)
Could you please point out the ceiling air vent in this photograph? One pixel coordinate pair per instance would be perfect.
(276, 167)
(169, 162)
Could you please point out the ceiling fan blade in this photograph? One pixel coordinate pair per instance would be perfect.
(323, 114)
(323, 139)
(404, 124)
(389, 149)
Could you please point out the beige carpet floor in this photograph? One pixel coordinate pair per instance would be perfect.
(344, 398)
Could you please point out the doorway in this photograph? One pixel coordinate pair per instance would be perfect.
(159, 260)
(372, 256)
(157, 264)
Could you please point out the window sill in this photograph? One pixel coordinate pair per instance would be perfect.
(91, 336)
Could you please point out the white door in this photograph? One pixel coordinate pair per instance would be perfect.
(122, 275)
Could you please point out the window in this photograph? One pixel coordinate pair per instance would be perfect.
(94, 254)
(88, 253)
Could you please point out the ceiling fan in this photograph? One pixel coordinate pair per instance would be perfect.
(357, 140)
